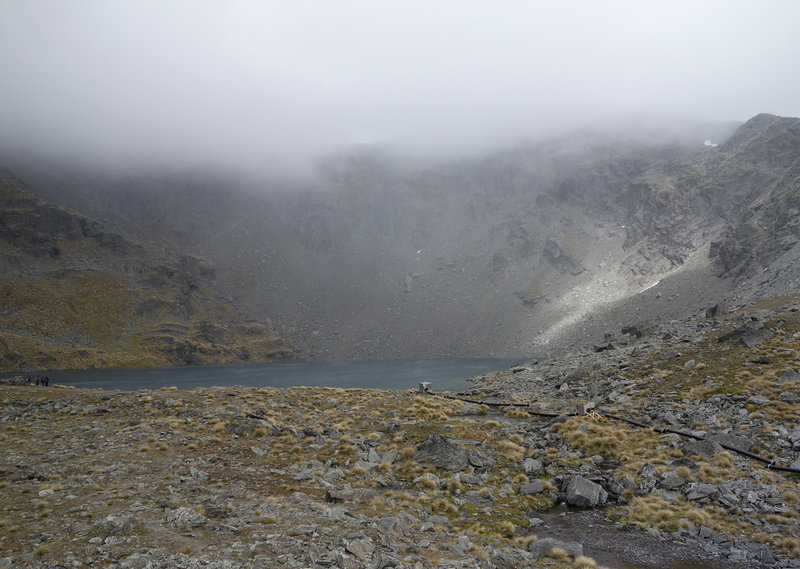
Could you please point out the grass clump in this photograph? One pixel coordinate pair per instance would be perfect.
(584, 562)
(558, 554)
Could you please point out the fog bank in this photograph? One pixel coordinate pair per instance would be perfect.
(270, 86)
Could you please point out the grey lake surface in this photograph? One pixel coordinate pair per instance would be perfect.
(444, 374)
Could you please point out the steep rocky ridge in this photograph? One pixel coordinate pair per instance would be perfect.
(75, 294)
(517, 252)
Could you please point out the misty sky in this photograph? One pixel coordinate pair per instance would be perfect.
(275, 83)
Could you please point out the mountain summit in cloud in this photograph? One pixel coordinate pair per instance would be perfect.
(268, 86)
(517, 252)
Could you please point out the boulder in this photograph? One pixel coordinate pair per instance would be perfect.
(439, 521)
(669, 354)
(702, 492)
(528, 488)
(671, 481)
(114, 525)
(705, 448)
(749, 335)
(640, 330)
(511, 559)
(719, 309)
(361, 548)
(532, 466)
(333, 476)
(217, 507)
(736, 441)
(441, 453)
(546, 545)
(28, 472)
(356, 495)
(185, 518)
(428, 480)
(584, 493)
(758, 399)
(480, 460)
(390, 524)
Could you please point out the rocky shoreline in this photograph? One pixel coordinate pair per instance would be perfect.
(254, 477)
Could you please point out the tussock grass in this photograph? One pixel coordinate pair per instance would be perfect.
(523, 542)
(584, 562)
(558, 554)
(608, 438)
(508, 528)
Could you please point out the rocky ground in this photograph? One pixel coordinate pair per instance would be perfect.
(729, 378)
(255, 477)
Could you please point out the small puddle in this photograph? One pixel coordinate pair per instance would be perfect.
(619, 547)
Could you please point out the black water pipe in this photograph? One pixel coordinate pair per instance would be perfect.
(770, 464)
(494, 404)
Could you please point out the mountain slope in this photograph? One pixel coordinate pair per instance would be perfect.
(518, 252)
(75, 295)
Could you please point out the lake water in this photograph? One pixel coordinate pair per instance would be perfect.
(444, 375)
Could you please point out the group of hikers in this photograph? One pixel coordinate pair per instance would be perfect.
(43, 381)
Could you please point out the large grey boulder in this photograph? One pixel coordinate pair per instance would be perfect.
(736, 441)
(352, 495)
(114, 525)
(702, 492)
(546, 545)
(671, 481)
(719, 309)
(584, 493)
(441, 453)
(361, 548)
(28, 472)
(533, 466)
(705, 448)
(748, 335)
(511, 559)
(185, 518)
(480, 460)
(533, 487)
(390, 524)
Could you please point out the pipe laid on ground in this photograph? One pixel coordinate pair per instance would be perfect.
(770, 464)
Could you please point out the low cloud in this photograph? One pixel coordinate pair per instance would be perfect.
(269, 86)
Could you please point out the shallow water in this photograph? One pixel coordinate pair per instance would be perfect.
(444, 375)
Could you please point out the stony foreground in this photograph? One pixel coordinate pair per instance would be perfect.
(256, 477)
(243, 477)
